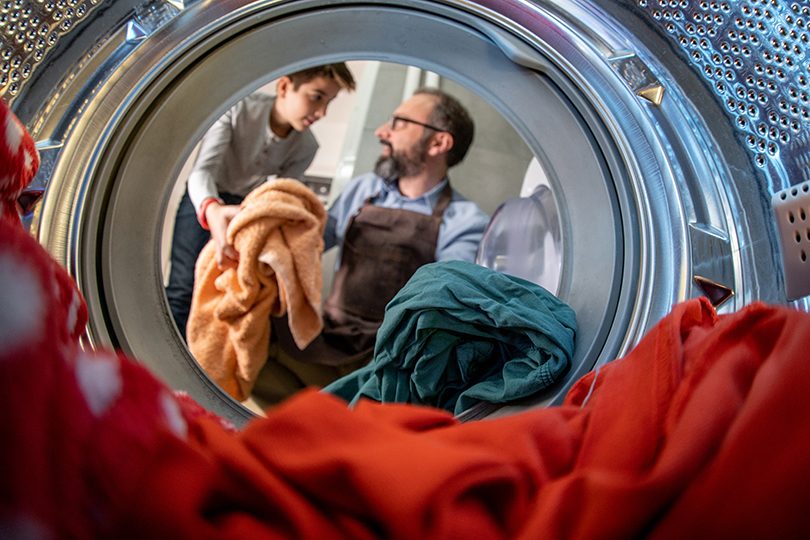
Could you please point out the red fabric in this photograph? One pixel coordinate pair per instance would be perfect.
(19, 161)
(701, 431)
(78, 428)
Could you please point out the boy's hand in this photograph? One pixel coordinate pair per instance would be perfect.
(218, 217)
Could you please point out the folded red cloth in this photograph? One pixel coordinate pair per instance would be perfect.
(701, 431)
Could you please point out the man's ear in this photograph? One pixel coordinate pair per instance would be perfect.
(283, 85)
(441, 143)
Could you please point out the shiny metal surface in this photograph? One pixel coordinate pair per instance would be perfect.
(29, 30)
(684, 149)
(792, 210)
(755, 55)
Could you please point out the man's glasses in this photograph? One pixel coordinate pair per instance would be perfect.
(397, 122)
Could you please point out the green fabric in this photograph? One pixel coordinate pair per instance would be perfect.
(458, 334)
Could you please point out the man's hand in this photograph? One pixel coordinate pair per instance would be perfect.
(218, 217)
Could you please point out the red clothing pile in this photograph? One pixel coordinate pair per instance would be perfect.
(701, 431)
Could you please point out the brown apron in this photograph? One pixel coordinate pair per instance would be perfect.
(382, 249)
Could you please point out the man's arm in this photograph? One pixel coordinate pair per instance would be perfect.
(330, 233)
(461, 232)
(346, 205)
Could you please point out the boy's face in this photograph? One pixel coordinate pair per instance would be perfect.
(303, 106)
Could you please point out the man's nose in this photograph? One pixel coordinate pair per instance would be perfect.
(382, 131)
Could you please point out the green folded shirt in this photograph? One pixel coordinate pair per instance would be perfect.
(458, 334)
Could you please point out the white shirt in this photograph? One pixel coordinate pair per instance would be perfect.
(240, 151)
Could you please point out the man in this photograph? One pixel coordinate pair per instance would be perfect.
(405, 214)
(387, 224)
(261, 135)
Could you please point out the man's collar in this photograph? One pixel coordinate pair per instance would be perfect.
(432, 193)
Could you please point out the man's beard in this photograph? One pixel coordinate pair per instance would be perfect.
(399, 164)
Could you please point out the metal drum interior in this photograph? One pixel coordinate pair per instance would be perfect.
(658, 189)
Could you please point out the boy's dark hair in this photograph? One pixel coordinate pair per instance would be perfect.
(337, 72)
(450, 114)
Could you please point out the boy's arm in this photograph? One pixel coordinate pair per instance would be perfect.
(202, 181)
(212, 213)
(218, 217)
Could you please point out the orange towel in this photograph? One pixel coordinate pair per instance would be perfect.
(279, 237)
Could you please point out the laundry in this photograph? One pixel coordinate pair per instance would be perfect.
(459, 334)
(699, 432)
(278, 235)
(19, 162)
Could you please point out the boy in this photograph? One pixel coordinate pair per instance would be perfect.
(261, 135)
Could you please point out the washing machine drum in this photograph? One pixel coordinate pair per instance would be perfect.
(663, 128)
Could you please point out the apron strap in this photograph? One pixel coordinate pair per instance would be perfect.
(444, 200)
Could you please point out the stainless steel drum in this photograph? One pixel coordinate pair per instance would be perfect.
(664, 126)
